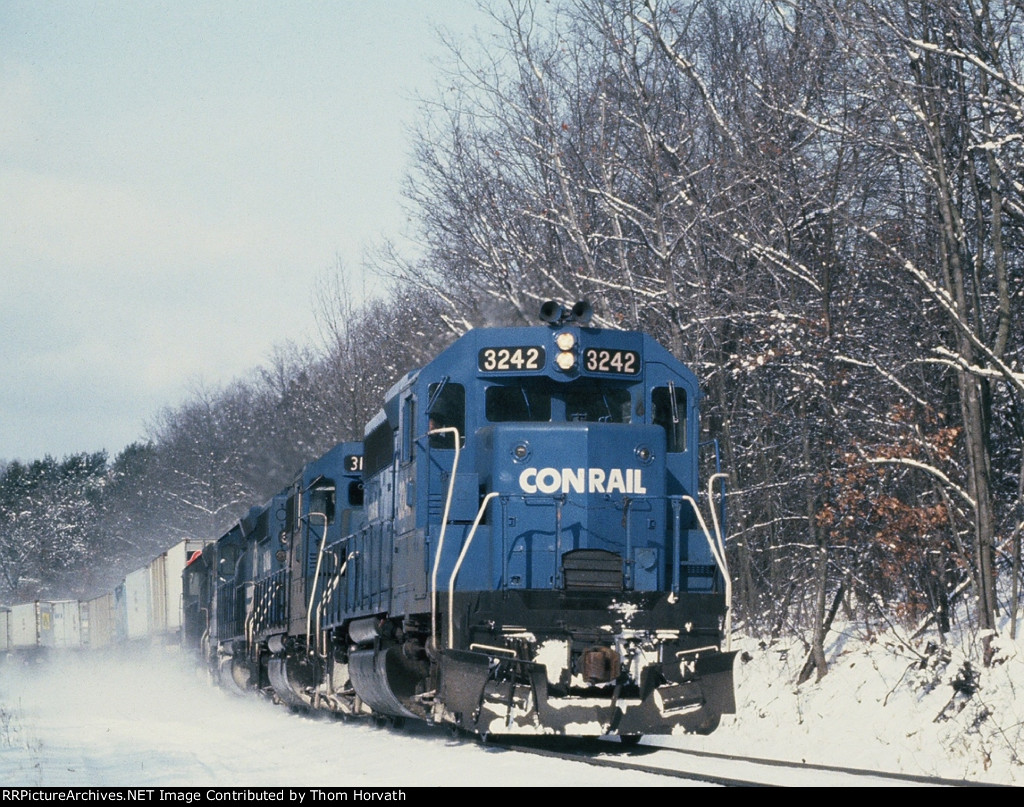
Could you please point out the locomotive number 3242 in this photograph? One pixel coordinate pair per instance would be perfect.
(510, 359)
(626, 362)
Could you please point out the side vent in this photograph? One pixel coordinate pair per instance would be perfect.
(592, 570)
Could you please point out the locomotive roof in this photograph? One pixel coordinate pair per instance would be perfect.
(476, 339)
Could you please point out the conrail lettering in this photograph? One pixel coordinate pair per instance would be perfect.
(582, 480)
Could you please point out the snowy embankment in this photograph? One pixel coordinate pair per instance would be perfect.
(88, 721)
(886, 704)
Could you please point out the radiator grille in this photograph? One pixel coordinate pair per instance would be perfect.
(592, 570)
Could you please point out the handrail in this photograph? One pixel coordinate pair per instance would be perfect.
(260, 610)
(714, 518)
(495, 651)
(247, 625)
(316, 575)
(321, 610)
(720, 560)
(677, 507)
(715, 541)
(332, 587)
(270, 584)
(248, 629)
(458, 563)
(205, 635)
(444, 526)
(628, 559)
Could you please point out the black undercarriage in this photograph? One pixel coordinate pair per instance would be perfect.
(520, 662)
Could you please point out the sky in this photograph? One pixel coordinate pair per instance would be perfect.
(879, 708)
(176, 180)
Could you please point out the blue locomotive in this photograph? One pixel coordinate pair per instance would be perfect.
(251, 598)
(515, 548)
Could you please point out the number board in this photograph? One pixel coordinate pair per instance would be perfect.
(603, 360)
(514, 359)
(353, 463)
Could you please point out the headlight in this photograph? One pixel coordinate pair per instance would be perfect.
(565, 340)
(565, 360)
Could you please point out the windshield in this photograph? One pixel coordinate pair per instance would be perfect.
(588, 402)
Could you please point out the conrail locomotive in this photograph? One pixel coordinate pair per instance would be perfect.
(518, 546)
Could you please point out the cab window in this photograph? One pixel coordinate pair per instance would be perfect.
(597, 404)
(321, 500)
(517, 403)
(669, 412)
(408, 429)
(447, 407)
(379, 449)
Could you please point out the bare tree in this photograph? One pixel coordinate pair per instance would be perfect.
(946, 76)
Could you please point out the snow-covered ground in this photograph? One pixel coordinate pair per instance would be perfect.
(105, 722)
(90, 721)
(885, 705)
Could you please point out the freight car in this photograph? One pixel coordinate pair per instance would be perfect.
(145, 609)
(31, 630)
(516, 548)
(147, 604)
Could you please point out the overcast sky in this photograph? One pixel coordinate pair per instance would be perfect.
(175, 178)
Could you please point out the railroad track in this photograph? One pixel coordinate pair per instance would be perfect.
(720, 769)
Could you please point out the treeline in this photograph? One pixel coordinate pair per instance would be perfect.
(819, 205)
(74, 527)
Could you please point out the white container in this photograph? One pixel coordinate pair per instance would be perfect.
(23, 626)
(98, 622)
(65, 628)
(136, 604)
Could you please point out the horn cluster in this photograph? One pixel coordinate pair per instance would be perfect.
(556, 314)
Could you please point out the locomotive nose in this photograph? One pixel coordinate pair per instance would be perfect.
(583, 506)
